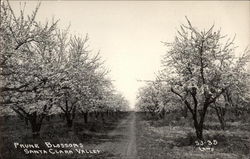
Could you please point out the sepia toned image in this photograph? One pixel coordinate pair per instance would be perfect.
(124, 79)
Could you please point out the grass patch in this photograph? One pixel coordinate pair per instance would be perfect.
(55, 131)
(176, 139)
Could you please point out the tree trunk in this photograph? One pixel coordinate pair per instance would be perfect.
(48, 118)
(221, 116)
(199, 132)
(85, 116)
(103, 118)
(26, 121)
(96, 115)
(91, 116)
(199, 125)
(62, 116)
(162, 114)
(69, 121)
(35, 125)
(237, 112)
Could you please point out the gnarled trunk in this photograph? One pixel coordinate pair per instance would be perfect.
(198, 128)
(36, 127)
(69, 113)
(36, 124)
(199, 132)
(198, 124)
(85, 116)
(221, 112)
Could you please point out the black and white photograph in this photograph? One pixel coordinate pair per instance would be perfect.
(136, 79)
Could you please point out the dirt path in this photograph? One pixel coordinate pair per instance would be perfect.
(124, 144)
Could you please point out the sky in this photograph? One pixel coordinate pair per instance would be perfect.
(129, 34)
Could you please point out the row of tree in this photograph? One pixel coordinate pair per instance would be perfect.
(44, 70)
(200, 71)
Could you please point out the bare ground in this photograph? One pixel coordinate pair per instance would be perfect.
(125, 146)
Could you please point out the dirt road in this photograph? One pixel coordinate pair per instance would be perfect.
(124, 143)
